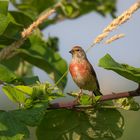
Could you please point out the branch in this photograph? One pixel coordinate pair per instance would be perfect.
(27, 32)
(10, 51)
(73, 104)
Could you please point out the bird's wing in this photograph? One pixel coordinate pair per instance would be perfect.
(93, 73)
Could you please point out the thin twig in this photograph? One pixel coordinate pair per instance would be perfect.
(73, 104)
(61, 78)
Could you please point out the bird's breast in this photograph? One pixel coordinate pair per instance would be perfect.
(82, 75)
(77, 69)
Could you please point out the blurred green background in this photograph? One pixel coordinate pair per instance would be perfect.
(82, 31)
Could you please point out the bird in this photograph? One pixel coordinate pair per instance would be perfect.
(82, 72)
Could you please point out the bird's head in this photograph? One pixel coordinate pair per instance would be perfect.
(78, 52)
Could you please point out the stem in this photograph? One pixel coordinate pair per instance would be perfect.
(10, 51)
(61, 78)
(73, 104)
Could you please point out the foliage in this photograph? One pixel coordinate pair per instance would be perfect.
(34, 98)
(86, 125)
(125, 70)
(13, 123)
(68, 9)
(127, 104)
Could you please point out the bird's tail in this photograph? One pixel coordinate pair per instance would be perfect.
(97, 92)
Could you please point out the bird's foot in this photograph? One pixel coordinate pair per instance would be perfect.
(91, 97)
(78, 97)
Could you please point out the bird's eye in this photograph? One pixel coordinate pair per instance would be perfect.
(77, 50)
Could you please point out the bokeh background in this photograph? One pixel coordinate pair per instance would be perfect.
(81, 32)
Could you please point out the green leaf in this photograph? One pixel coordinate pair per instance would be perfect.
(30, 95)
(21, 18)
(14, 94)
(45, 92)
(31, 116)
(76, 8)
(42, 56)
(124, 70)
(70, 10)
(67, 9)
(6, 75)
(30, 80)
(11, 128)
(127, 104)
(85, 100)
(4, 6)
(9, 29)
(25, 89)
(78, 125)
(12, 63)
(33, 8)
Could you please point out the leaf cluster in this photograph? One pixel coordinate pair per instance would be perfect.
(33, 97)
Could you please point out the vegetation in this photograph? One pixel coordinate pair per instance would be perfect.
(23, 47)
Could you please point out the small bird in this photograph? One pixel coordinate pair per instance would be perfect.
(82, 72)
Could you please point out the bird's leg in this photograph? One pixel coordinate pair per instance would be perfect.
(91, 97)
(79, 96)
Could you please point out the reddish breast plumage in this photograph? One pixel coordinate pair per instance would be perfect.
(82, 71)
(78, 69)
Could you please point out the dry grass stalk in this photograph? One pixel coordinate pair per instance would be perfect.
(27, 32)
(113, 38)
(117, 22)
(9, 51)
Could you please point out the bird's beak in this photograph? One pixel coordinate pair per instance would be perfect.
(70, 51)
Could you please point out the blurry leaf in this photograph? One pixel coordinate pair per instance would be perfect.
(31, 116)
(73, 94)
(70, 10)
(14, 94)
(9, 29)
(12, 63)
(124, 70)
(73, 9)
(45, 92)
(6, 75)
(127, 104)
(105, 124)
(21, 18)
(97, 98)
(11, 128)
(25, 89)
(24, 69)
(39, 92)
(85, 100)
(52, 43)
(30, 80)
(4, 6)
(42, 56)
(36, 93)
(67, 9)
(33, 8)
